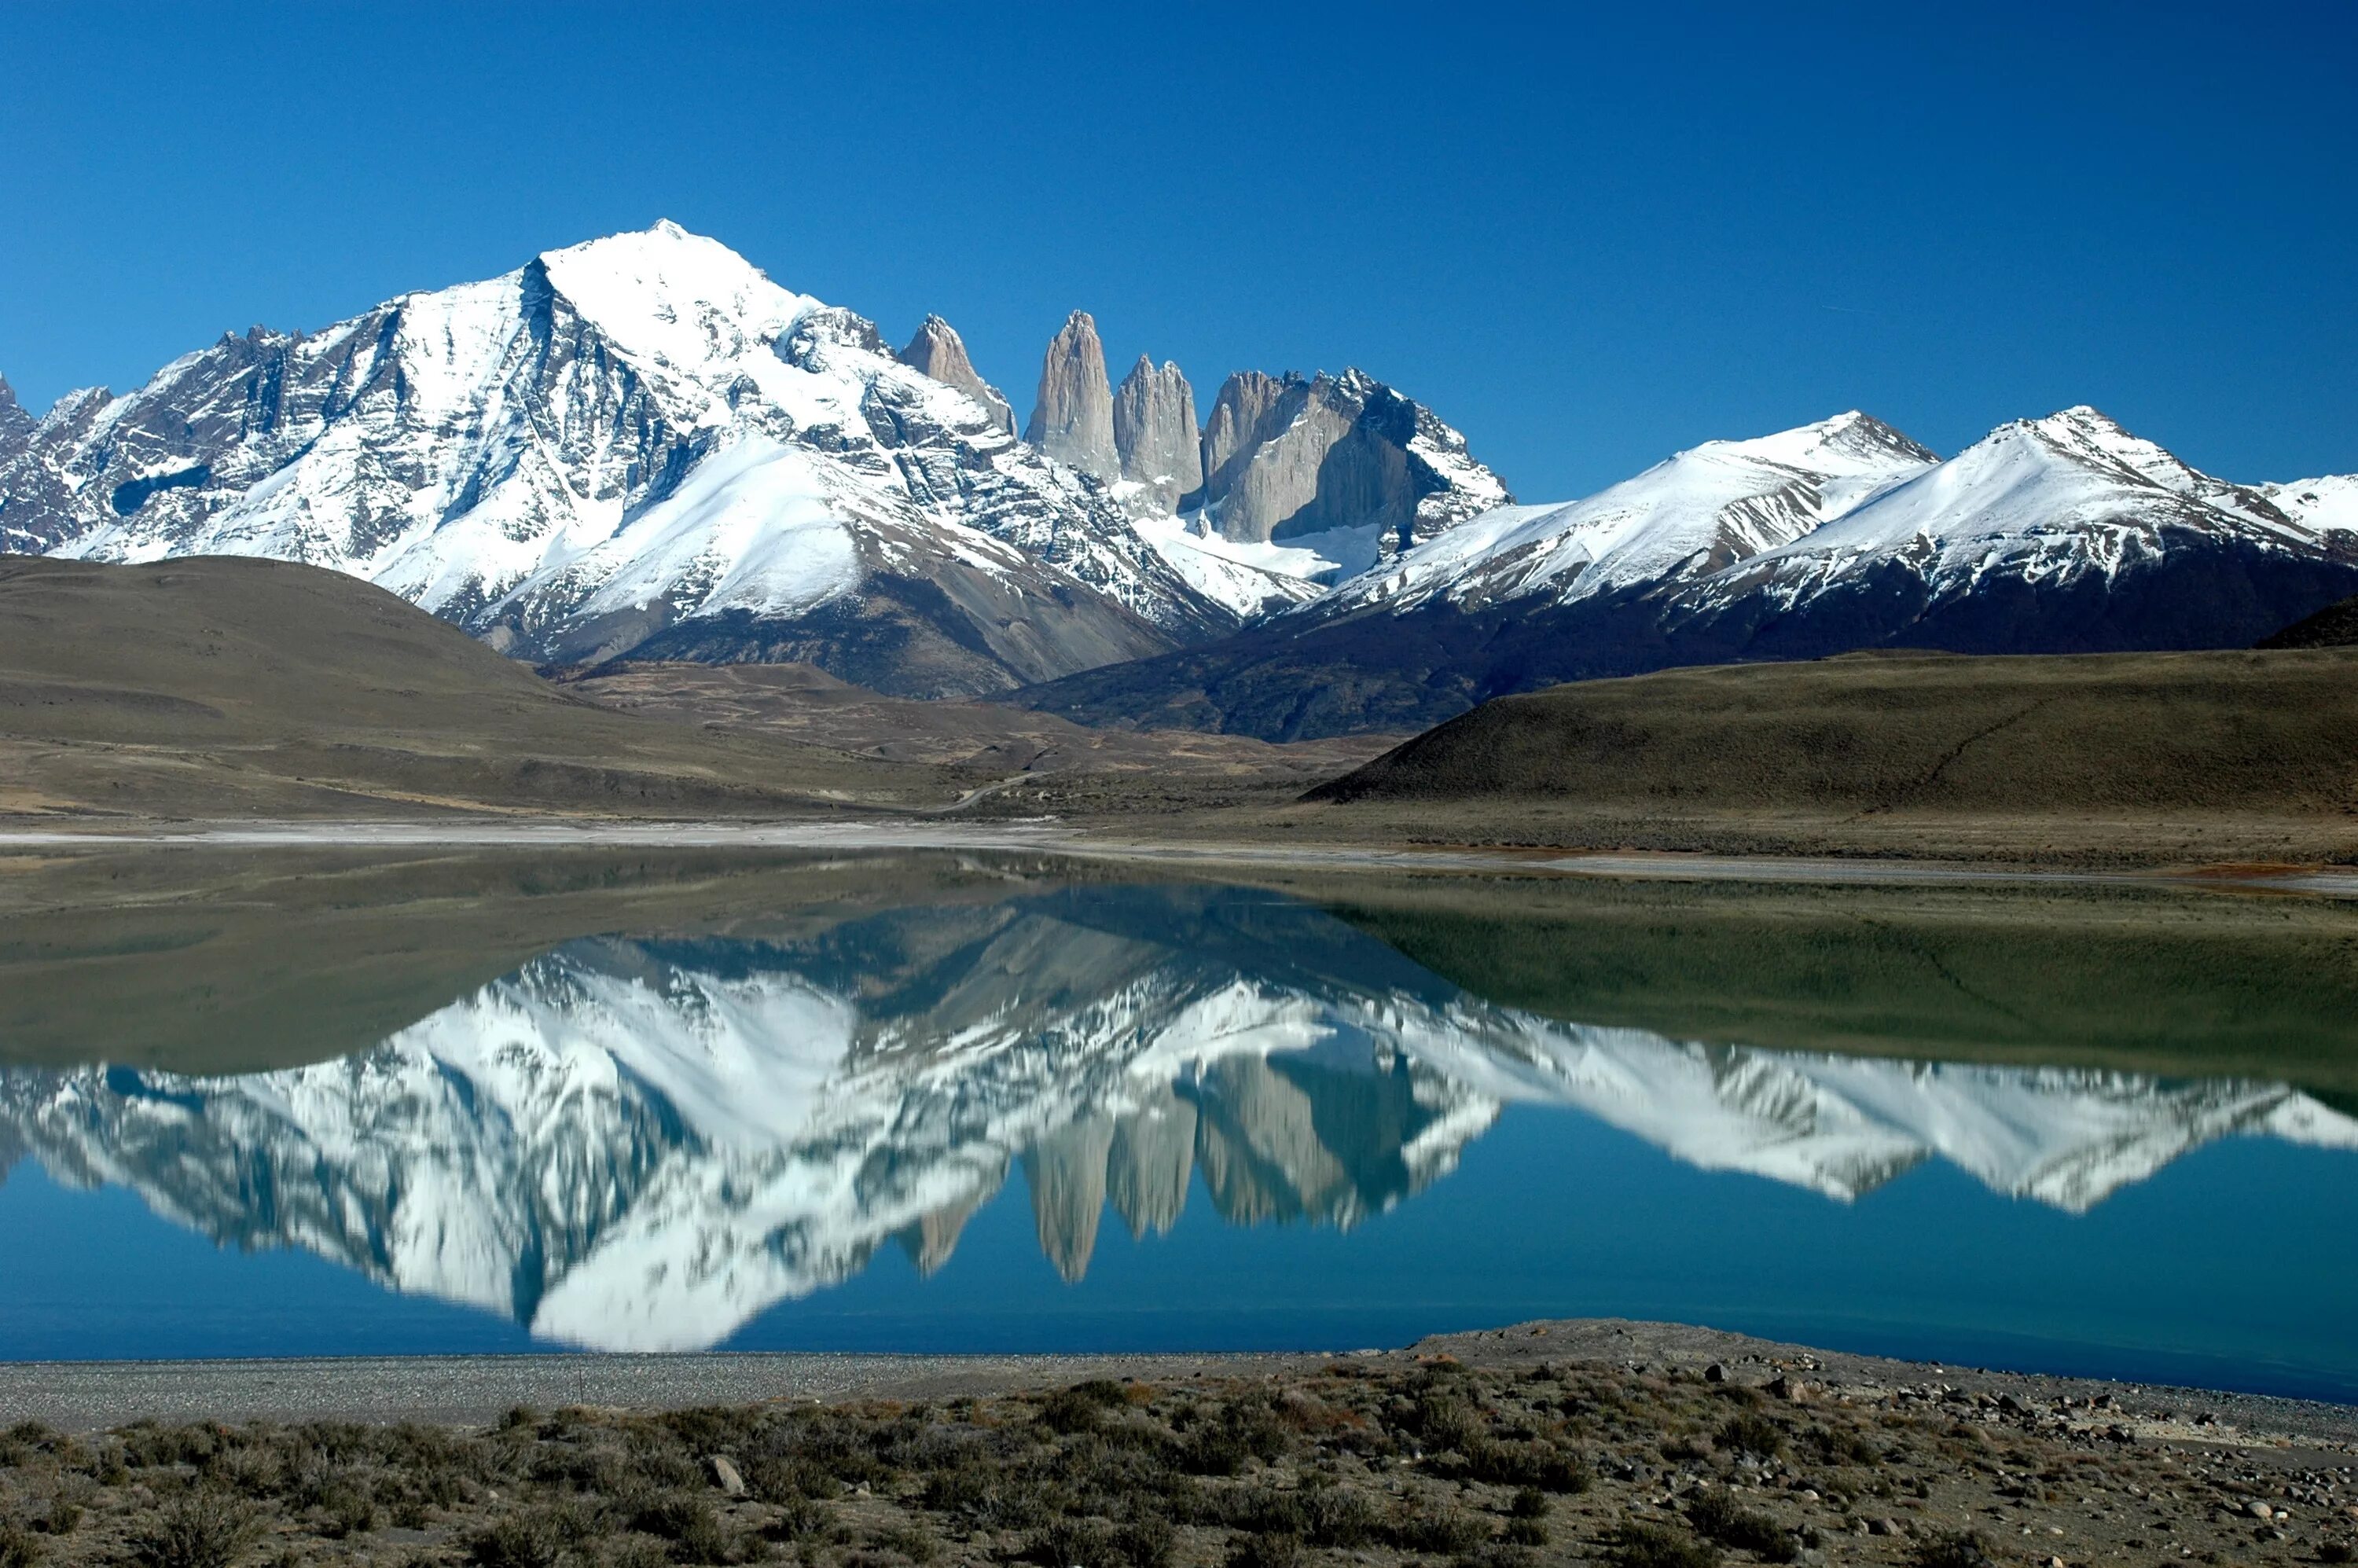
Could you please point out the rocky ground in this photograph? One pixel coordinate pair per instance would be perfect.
(1637, 1445)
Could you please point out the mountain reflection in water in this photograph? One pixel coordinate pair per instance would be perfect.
(640, 1145)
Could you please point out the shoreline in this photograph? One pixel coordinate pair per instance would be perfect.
(1089, 843)
(473, 1390)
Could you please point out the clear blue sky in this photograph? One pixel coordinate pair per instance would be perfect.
(1585, 239)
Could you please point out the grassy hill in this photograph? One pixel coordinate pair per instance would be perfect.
(2124, 759)
(2335, 626)
(2205, 731)
(231, 687)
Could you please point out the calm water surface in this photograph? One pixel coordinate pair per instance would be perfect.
(1029, 1112)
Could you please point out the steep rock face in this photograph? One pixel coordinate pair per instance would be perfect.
(2063, 534)
(1072, 419)
(1155, 434)
(937, 351)
(640, 445)
(1244, 416)
(15, 425)
(1344, 460)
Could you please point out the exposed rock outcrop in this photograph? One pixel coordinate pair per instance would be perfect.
(15, 425)
(939, 352)
(1155, 434)
(1337, 455)
(1072, 419)
(1243, 417)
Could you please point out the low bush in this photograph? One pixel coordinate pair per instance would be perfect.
(1952, 1549)
(1660, 1546)
(1272, 1551)
(1440, 1528)
(204, 1526)
(1717, 1517)
(1751, 1433)
(19, 1547)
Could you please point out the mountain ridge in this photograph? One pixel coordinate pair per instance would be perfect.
(2066, 534)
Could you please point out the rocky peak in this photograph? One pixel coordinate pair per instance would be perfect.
(1072, 419)
(1155, 434)
(938, 352)
(830, 326)
(1339, 455)
(1242, 418)
(15, 425)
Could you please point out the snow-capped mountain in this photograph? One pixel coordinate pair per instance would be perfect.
(642, 1145)
(637, 445)
(1686, 517)
(2067, 533)
(2328, 503)
(2062, 534)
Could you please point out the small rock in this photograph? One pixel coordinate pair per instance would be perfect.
(1792, 1389)
(1715, 1373)
(1884, 1527)
(2260, 1511)
(725, 1474)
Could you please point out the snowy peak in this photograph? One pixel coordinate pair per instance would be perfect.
(670, 298)
(637, 445)
(2325, 505)
(1850, 442)
(1692, 515)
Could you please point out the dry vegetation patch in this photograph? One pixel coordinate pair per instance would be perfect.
(1481, 1467)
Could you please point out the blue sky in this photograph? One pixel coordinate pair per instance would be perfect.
(1587, 239)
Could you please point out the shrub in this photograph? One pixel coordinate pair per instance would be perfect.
(1751, 1433)
(685, 1519)
(1272, 1551)
(1530, 1503)
(1845, 1447)
(1444, 1420)
(1952, 1549)
(910, 1541)
(528, 1538)
(986, 1498)
(1146, 1542)
(1499, 1555)
(1539, 1464)
(1072, 1543)
(19, 1548)
(634, 1552)
(203, 1527)
(1068, 1411)
(790, 1480)
(1442, 1528)
(1717, 1517)
(1660, 1546)
(1221, 1445)
(1524, 1532)
(1334, 1517)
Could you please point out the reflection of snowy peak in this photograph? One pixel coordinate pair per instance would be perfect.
(639, 444)
(640, 1145)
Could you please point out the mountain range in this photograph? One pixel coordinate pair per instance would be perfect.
(640, 1145)
(642, 449)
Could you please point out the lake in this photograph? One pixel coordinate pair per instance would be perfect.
(280, 1103)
